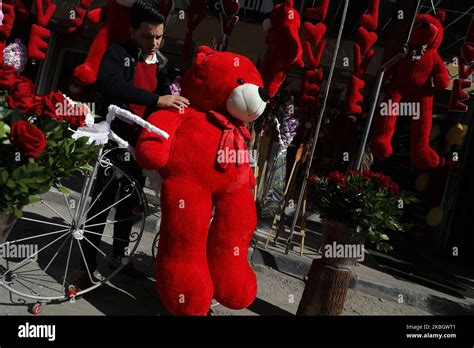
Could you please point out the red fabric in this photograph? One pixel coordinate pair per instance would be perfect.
(310, 88)
(319, 13)
(355, 98)
(365, 39)
(370, 20)
(144, 78)
(37, 46)
(458, 95)
(8, 20)
(44, 13)
(412, 82)
(314, 32)
(234, 135)
(361, 64)
(27, 138)
(115, 29)
(197, 260)
(285, 22)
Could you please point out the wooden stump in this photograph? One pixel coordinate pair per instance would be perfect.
(326, 290)
(330, 276)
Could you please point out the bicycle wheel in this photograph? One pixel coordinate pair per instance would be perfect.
(54, 233)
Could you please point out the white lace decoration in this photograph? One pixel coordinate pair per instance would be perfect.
(418, 53)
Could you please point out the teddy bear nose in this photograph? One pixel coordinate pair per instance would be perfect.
(425, 24)
(263, 94)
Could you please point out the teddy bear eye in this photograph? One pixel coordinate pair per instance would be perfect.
(240, 81)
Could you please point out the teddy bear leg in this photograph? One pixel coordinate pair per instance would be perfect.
(385, 126)
(422, 155)
(182, 274)
(86, 73)
(235, 219)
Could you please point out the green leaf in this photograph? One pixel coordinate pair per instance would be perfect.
(64, 190)
(17, 115)
(34, 199)
(18, 213)
(10, 183)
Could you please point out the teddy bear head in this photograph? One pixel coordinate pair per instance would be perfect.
(283, 15)
(225, 82)
(427, 30)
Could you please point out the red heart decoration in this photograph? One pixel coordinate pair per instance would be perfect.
(308, 53)
(370, 20)
(365, 39)
(314, 33)
(230, 7)
(319, 13)
(468, 52)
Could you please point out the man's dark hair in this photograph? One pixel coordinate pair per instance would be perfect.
(146, 11)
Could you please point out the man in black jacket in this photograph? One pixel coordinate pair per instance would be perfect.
(132, 76)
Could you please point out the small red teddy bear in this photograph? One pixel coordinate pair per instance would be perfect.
(412, 81)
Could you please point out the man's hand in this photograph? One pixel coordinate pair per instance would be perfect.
(173, 101)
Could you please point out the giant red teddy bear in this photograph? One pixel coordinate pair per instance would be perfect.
(412, 82)
(202, 163)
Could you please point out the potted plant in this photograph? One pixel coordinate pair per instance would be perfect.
(361, 206)
(36, 148)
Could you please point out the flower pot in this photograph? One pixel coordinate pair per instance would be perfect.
(7, 221)
(329, 277)
(342, 246)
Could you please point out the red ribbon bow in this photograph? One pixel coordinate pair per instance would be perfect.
(234, 137)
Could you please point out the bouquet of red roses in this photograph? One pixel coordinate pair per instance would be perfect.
(36, 147)
(365, 200)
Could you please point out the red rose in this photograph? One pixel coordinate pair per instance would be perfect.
(8, 76)
(57, 106)
(312, 180)
(27, 138)
(51, 103)
(23, 97)
(337, 178)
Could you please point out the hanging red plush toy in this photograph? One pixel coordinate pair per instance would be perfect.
(116, 21)
(284, 45)
(412, 82)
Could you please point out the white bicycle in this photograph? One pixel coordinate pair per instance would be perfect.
(60, 238)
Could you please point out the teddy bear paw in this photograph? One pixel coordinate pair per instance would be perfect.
(425, 158)
(381, 148)
(85, 75)
(236, 292)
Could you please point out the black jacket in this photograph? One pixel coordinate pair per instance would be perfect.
(115, 84)
(115, 78)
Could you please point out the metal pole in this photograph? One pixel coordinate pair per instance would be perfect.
(318, 127)
(378, 86)
(368, 124)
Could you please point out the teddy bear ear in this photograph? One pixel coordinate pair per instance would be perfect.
(202, 52)
(441, 16)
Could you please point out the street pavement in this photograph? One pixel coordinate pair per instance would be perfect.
(279, 293)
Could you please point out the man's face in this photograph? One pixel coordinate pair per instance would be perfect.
(148, 37)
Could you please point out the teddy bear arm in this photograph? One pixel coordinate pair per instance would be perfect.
(152, 151)
(440, 74)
